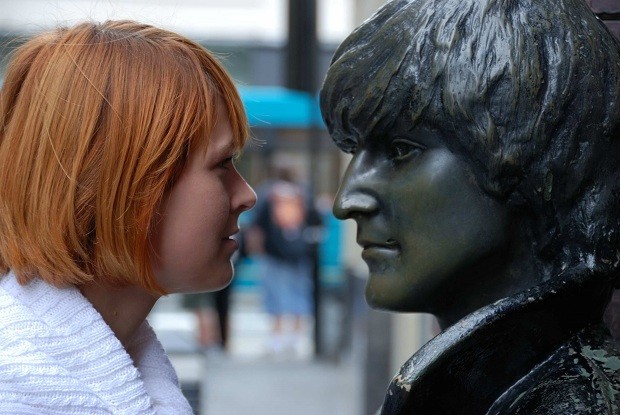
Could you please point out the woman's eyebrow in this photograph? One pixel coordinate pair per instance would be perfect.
(227, 148)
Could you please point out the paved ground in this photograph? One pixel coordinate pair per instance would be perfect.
(280, 388)
(248, 381)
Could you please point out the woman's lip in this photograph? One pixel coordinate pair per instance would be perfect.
(231, 242)
(232, 234)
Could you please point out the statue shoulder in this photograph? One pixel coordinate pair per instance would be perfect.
(580, 377)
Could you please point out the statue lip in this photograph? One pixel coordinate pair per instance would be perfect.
(373, 252)
(390, 244)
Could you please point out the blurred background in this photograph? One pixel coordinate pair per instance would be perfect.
(235, 354)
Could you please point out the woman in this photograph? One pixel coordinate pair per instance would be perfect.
(117, 143)
(485, 183)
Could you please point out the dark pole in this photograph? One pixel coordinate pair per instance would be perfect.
(302, 49)
(301, 64)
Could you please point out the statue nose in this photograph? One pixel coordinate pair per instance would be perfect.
(350, 203)
(355, 195)
(357, 192)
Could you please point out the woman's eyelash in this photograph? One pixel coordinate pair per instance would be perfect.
(226, 162)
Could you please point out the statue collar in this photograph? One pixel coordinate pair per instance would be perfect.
(470, 364)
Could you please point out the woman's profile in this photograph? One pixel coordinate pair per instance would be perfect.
(485, 184)
(117, 142)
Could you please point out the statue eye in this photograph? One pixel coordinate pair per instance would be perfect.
(401, 149)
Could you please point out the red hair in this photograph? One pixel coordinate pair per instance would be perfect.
(96, 122)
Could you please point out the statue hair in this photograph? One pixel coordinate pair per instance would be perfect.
(527, 91)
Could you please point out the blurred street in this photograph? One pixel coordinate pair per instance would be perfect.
(246, 379)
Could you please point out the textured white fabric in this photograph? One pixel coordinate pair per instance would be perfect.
(58, 356)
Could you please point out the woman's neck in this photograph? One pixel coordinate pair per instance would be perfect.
(123, 309)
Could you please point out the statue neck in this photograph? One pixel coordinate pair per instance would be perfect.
(513, 269)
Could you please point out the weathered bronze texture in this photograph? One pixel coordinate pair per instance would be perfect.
(485, 183)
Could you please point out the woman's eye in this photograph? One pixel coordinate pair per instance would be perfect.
(226, 163)
(402, 149)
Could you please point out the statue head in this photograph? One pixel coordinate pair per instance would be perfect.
(486, 156)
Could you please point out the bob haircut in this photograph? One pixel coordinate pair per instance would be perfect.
(528, 93)
(96, 122)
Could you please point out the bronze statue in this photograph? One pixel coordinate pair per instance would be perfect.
(485, 183)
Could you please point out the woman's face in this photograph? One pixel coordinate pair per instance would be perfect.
(426, 229)
(192, 244)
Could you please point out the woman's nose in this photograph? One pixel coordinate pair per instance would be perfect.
(244, 197)
(355, 195)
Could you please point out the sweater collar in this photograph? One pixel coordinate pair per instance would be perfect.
(71, 335)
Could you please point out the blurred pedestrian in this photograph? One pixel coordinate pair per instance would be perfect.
(283, 224)
(118, 187)
(203, 306)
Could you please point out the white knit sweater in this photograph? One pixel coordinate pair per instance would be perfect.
(58, 356)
